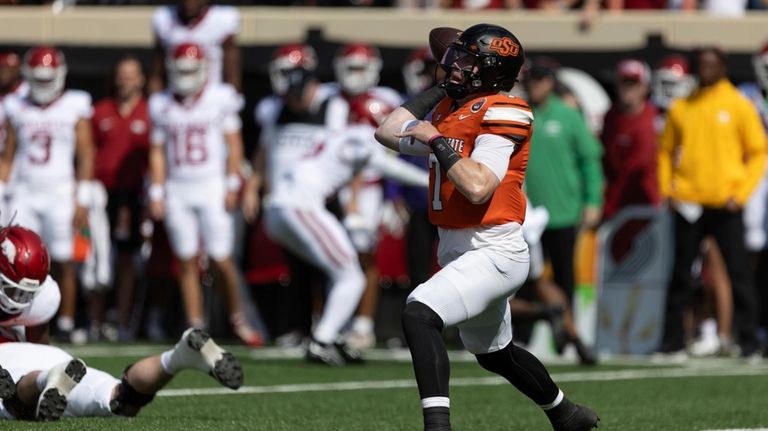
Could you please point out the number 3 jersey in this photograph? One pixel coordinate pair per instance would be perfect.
(465, 129)
(193, 131)
(45, 136)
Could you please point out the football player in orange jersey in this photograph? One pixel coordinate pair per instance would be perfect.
(478, 148)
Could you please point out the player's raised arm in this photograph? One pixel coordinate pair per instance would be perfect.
(389, 132)
(474, 179)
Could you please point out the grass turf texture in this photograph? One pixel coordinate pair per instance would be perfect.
(649, 403)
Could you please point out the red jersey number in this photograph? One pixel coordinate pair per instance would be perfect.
(189, 146)
(40, 148)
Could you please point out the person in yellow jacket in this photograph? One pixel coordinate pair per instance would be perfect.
(711, 157)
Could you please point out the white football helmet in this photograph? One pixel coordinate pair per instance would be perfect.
(291, 67)
(671, 80)
(45, 70)
(357, 67)
(760, 63)
(187, 69)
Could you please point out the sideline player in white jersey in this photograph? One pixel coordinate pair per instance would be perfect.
(296, 218)
(292, 120)
(213, 27)
(194, 163)
(357, 69)
(29, 297)
(47, 130)
(39, 382)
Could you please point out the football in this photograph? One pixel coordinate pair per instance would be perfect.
(440, 38)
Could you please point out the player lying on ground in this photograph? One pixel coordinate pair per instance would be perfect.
(39, 382)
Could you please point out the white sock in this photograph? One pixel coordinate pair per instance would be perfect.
(66, 323)
(166, 361)
(363, 325)
(40, 381)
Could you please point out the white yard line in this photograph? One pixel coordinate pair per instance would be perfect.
(485, 381)
(395, 355)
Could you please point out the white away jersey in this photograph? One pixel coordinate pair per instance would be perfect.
(193, 133)
(44, 307)
(216, 25)
(330, 166)
(288, 137)
(45, 136)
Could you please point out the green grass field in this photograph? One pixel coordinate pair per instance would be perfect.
(288, 394)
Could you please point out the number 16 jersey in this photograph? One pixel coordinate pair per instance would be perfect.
(193, 131)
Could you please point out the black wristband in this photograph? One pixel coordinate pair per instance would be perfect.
(422, 103)
(444, 153)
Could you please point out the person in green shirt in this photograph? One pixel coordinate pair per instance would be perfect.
(564, 176)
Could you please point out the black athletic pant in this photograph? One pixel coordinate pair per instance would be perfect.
(558, 246)
(727, 228)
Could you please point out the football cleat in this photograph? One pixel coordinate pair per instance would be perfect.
(59, 383)
(350, 354)
(324, 354)
(7, 385)
(579, 419)
(197, 350)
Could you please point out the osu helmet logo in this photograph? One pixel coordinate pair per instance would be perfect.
(504, 46)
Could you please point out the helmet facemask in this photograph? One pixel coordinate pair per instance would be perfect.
(478, 72)
(188, 76)
(45, 83)
(15, 297)
(357, 74)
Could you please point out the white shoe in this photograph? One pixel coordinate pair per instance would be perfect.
(361, 340)
(707, 346)
(59, 383)
(197, 350)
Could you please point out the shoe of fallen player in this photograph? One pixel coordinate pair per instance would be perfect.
(7, 385)
(197, 350)
(59, 383)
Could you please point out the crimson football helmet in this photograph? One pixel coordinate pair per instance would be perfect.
(187, 69)
(488, 57)
(357, 67)
(419, 71)
(45, 70)
(368, 109)
(671, 80)
(760, 63)
(24, 265)
(291, 68)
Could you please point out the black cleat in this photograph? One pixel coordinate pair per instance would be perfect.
(201, 352)
(7, 385)
(581, 419)
(60, 382)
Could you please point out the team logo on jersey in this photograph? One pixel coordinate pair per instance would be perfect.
(9, 250)
(105, 124)
(505, 46)
(477, 106)
(138, 127)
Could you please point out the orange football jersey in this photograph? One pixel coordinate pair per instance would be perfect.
(501, 115)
